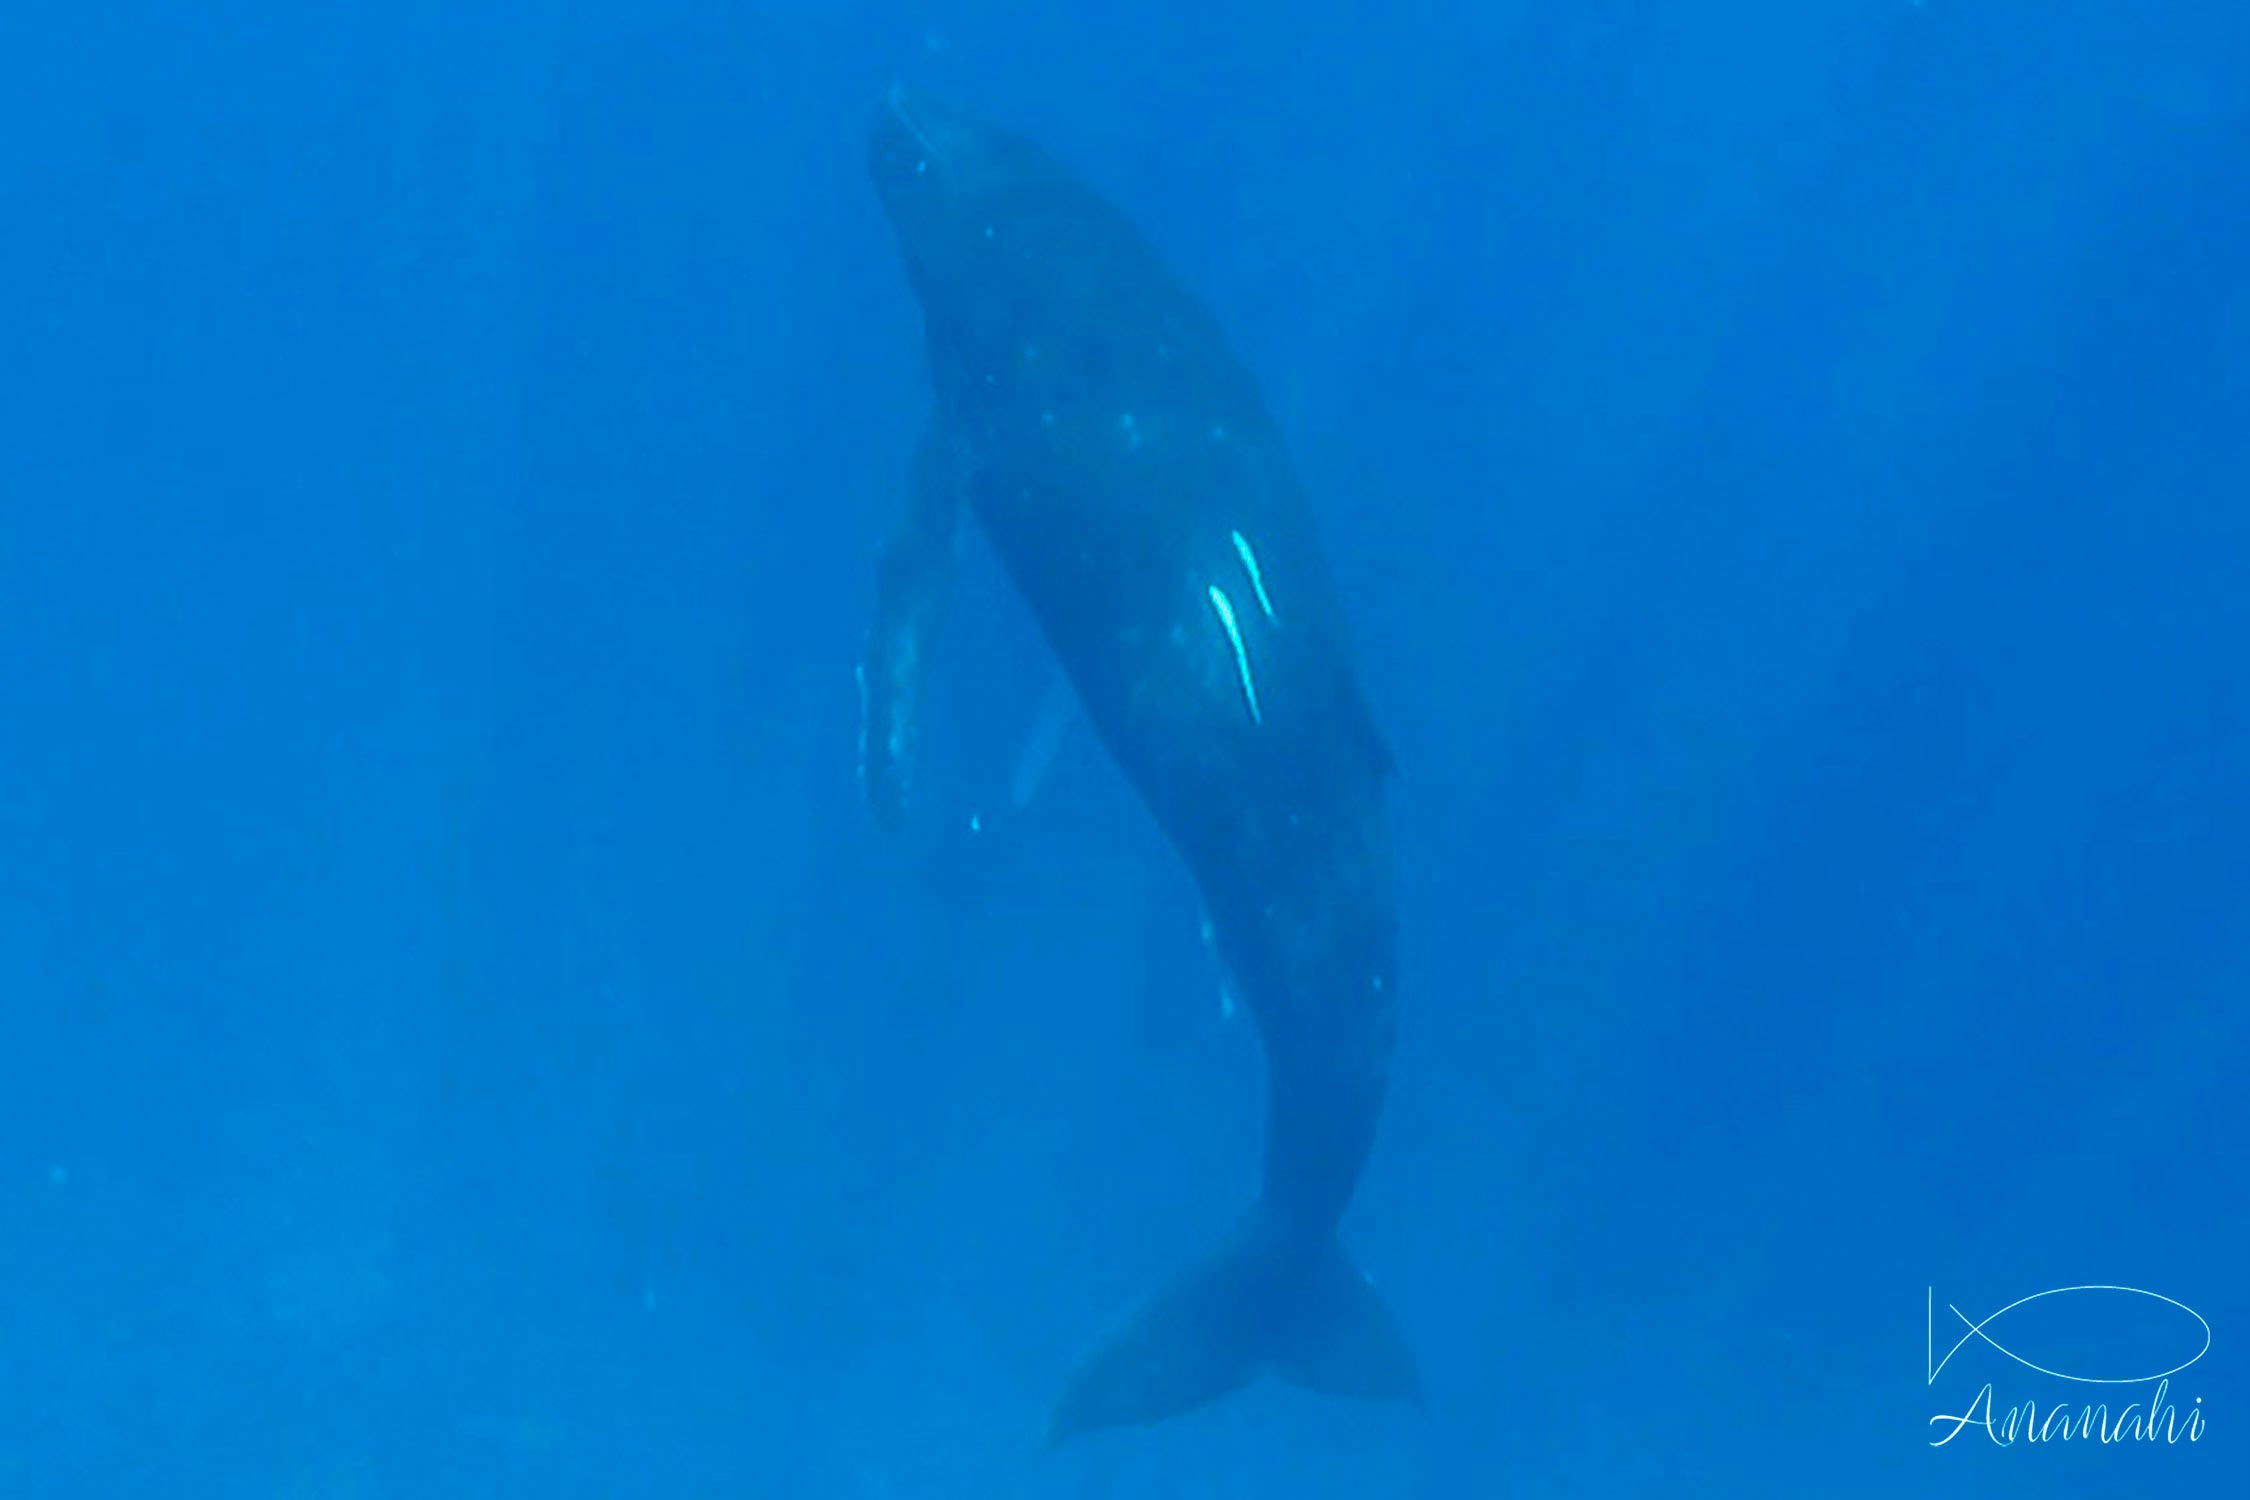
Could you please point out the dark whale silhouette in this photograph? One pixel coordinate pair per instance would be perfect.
(1119, 458)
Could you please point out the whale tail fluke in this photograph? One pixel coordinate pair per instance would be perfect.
(1309, 1316)
(1343, 1340)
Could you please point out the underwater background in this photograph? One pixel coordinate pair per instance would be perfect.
(460, 1034)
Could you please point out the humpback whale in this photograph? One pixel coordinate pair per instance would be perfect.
(1090, 415)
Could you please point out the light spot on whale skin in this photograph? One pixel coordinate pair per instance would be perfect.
(1046, 419)
(921, 165)
(988, 231)
(1218, 432)
(1131, 429)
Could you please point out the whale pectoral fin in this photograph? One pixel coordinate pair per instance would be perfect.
(913, 576)
(1037, 757)
(1342, 1341)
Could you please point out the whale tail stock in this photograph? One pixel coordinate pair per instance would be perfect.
(1264, 1302)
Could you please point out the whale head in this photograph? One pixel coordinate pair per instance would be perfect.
(970, 203)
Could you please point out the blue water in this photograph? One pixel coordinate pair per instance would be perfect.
(1787, 468)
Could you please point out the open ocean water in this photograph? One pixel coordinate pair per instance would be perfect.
(1787, 466)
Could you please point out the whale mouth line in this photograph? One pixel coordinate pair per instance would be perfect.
(895, 102)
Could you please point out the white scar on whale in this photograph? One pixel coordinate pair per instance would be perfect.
(1225, 608)
(1250, 566)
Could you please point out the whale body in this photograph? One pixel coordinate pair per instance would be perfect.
(1091, 417)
